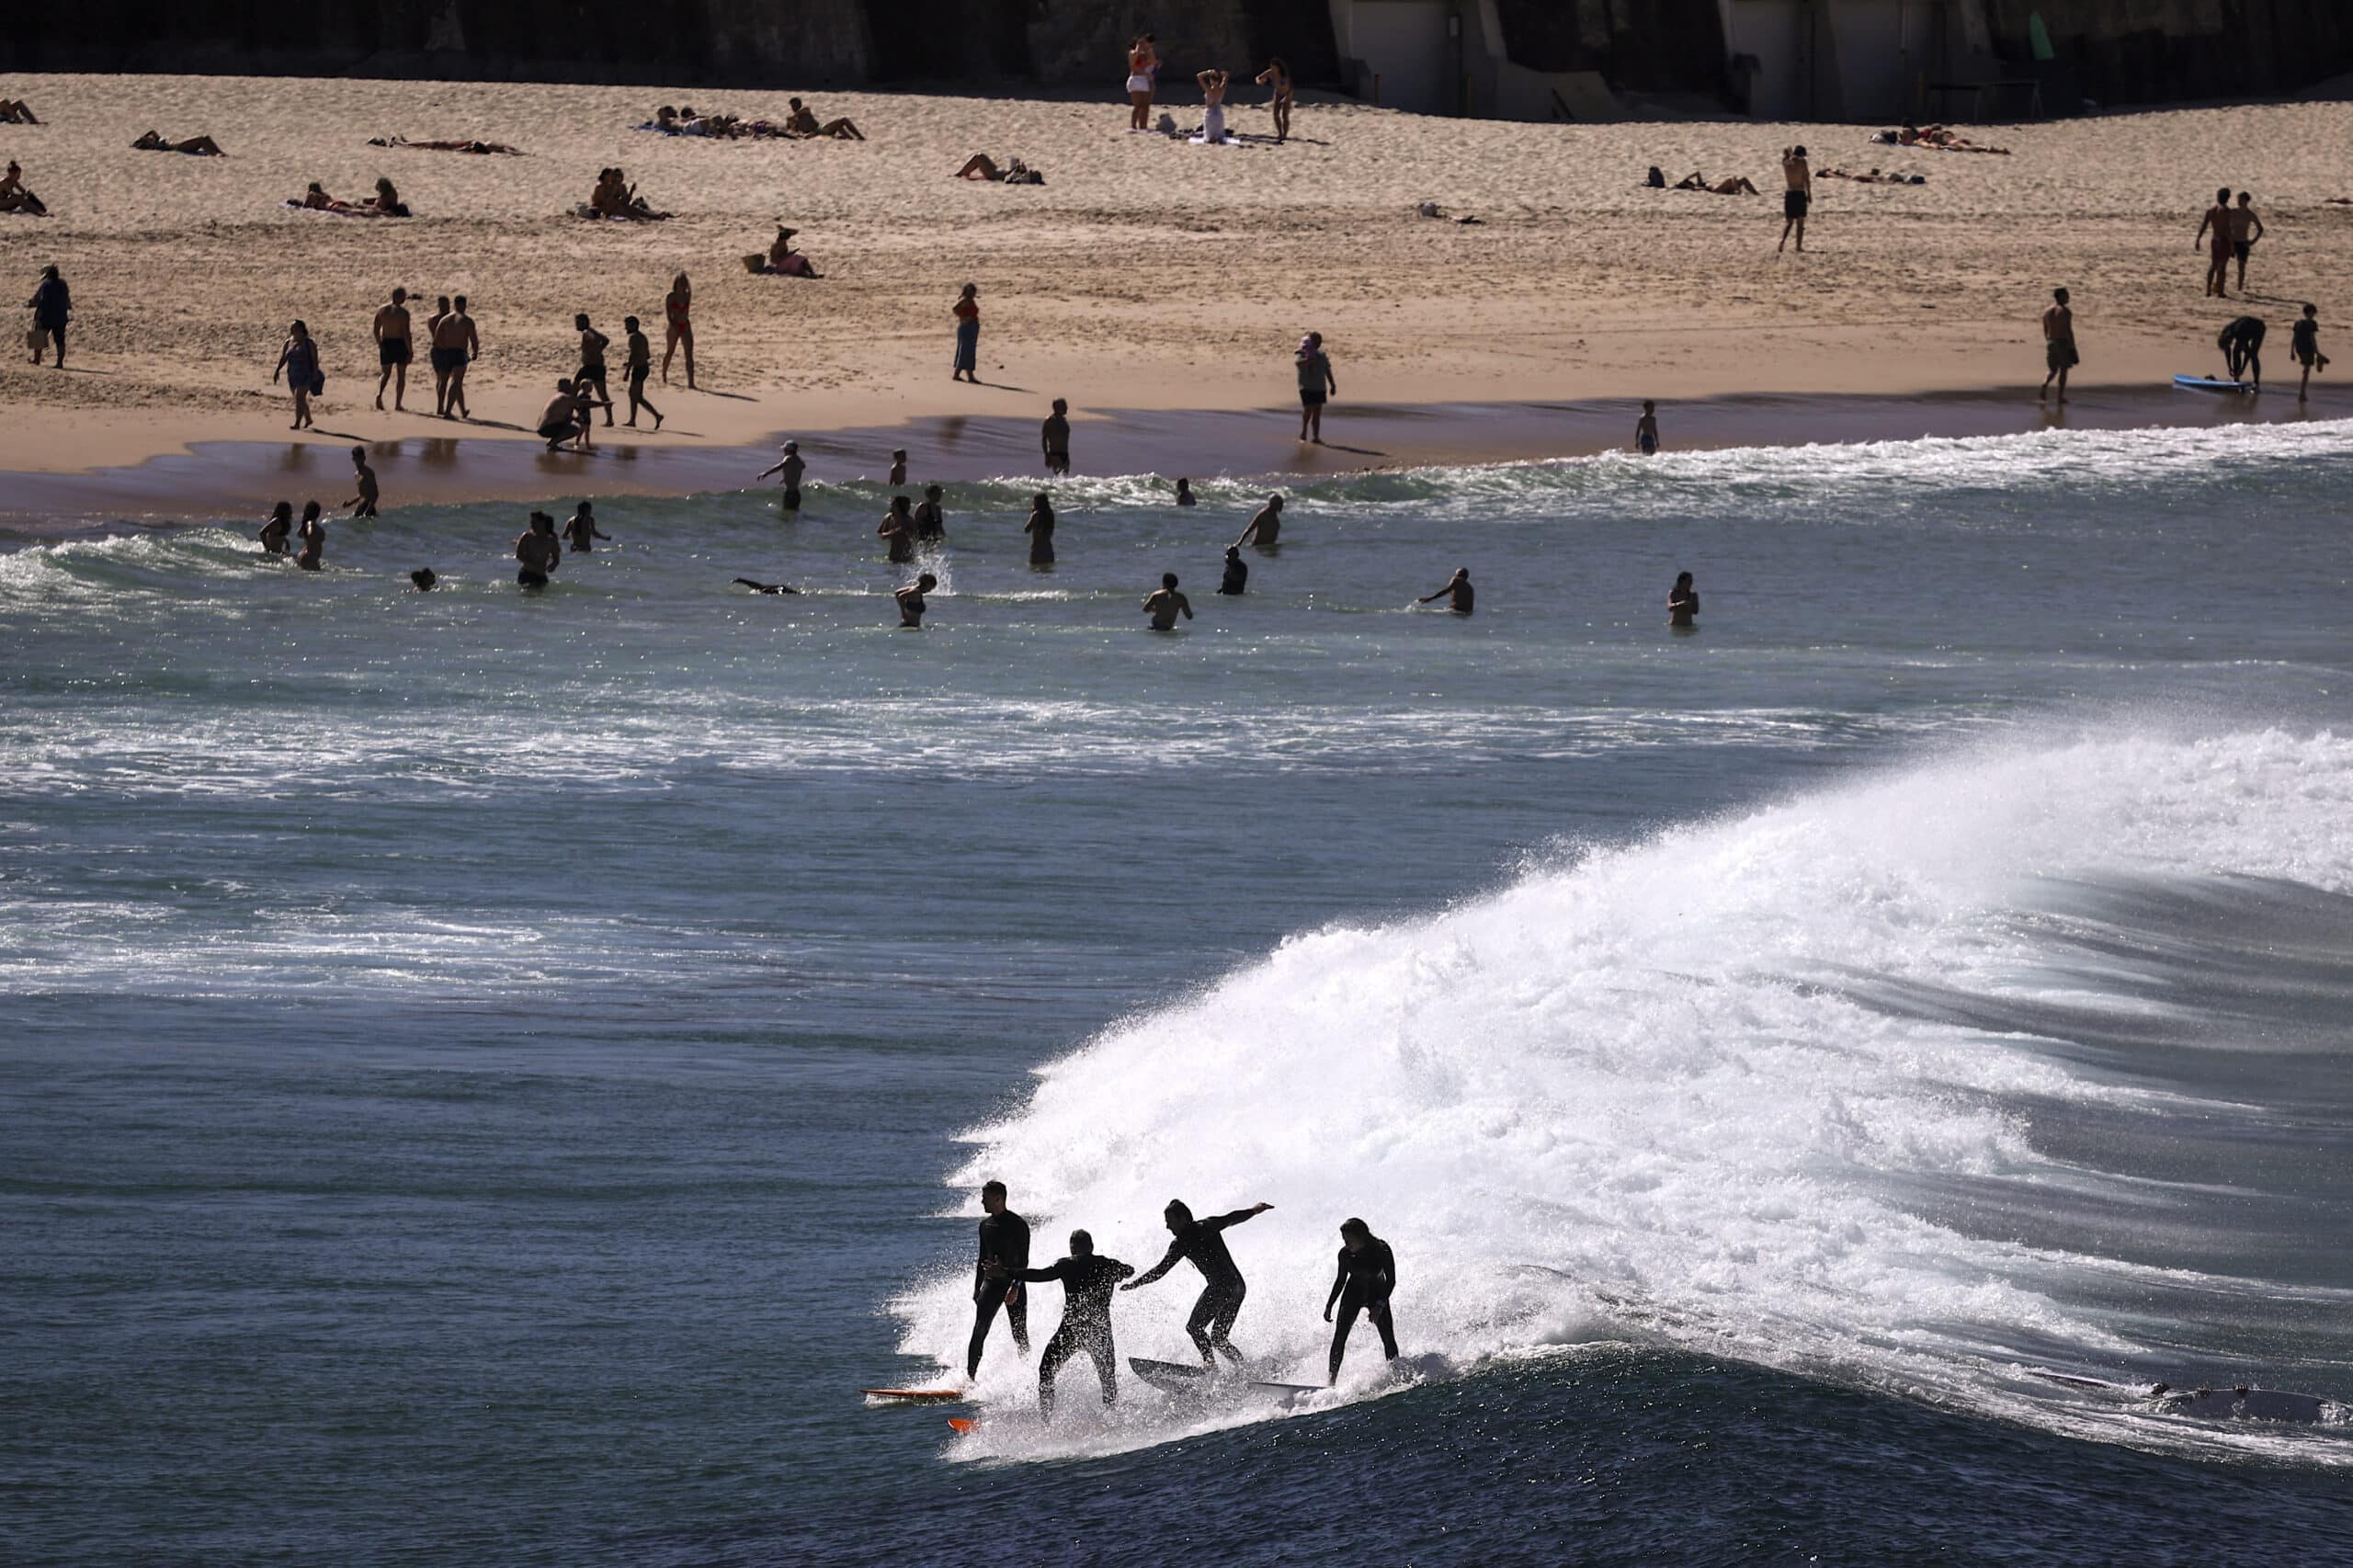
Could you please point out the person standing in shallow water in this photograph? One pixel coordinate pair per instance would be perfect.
(1041, 529)
(312, 534)
(1236, 578)
(537, 552)
(2059, 354)
(1165, 605)
(898, 466)
(1315, 382)
(1265, 530)
(931, 522)
(364, 480)
(1458, 592)
(898, 531)
(911, 609)
(1683, 604)
(967, 311)
(1054, 435)
(275, 533)
(792, 468)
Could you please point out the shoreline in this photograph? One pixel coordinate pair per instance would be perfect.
(231, 478)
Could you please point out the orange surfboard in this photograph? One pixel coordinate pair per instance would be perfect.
(964, 1425)
(923, 1396)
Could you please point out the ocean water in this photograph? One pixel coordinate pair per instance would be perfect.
(487, 1077)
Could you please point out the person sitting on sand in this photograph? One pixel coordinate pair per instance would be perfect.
(15, 111)
(196, 146)
(387, 200)
(800, 122)
(911, 605)
(1737, 185)
(14, 197)
(316, 199)
(563, 419)
(784, 261)
(616, 197)
(1212, 83)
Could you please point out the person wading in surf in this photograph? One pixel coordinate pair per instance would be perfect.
(1221, 1302)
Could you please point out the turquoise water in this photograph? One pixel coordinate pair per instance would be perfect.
(489, 1077)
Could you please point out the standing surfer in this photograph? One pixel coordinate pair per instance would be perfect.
(1005, 1243)
(1198, 1241)
(1087, 1282)
(1368, 1274)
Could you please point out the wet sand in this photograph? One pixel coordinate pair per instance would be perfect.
(235, 478)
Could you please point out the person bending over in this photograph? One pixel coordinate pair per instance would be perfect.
(1202, 1243)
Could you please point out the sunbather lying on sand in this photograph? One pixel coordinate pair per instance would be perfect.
(1735, 186)
(485, 147)
(801, 123)
(15, 111)
(385, 203)
(980, 166)
(200, 146)
(1873, 178)
(1943, 138)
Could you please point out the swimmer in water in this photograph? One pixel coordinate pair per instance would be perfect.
(792, 468)
(1683, 604)
(1368, 1274)
(1041, 529)
(583, 531)
(274, 532)
(1184, 493)
(1166, 605)
(1646, 430)
(538, 550)
(364, 504)
(899, 529)
(422, 580)
(911, 605)
(898, 465)
(1237, 572)
(313, 536)
(931, 523)
(1265, 530)
(767, 588)
(1458, 592)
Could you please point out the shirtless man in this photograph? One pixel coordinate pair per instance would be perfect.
(539, 551)
(1265, 530)
(804, 123)
(1166, 605)
(2058, 344)
(898, 465)
(393, 350)
(364, 504)
(563, 419)
(1646, 430)
(1797, 198)
(792, 468)
(1457, 592)
(2217, 223)
(1054, 435)
(2245, 229)
(455, 344)
(640, 365)
(911, 605)
(588, 382)
(583, 531)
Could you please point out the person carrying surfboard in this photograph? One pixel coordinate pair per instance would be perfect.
(1005, 1242)
(1087, 1282)
(1368, 1274)
(1199, 1242)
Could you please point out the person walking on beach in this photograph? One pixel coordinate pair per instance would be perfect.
(931, 522)
(640, 365)
(1004, 1253)
(2217, 224)
(2242, 346)
(364, 504)
(52, 307)
(312, 535)
(792, 468)
(1646, 430)
(898, 530)
(393, 351)
(1683, 604)
(1265, 529)
(455, 344)
(298, 362)
(2245, 229)
(1041, 529)
(967, 311)
(582, 532)
(1798, 199)
(678, 306)
(433, 356)
(1144, 62)
(537, 552)
(589, 379)
(1054, 437)
(1165, 605)
(1367, 1278)
(1315, 379)
(1202, 1243)
(2058, 344)
(1457, 592)
(2303, 341)
(911, 609)
(274, 532)
(1087, 1282)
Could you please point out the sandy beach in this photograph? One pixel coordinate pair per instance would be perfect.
(1147, 274)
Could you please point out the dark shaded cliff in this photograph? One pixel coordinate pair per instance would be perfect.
(2167, 51)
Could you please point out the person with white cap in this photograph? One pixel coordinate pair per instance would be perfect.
(792, 468)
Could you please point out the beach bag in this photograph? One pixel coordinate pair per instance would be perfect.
(318, 382)
(37, 339)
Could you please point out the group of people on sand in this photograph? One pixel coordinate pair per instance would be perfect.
(799, 124)
(2229, 233)
(1935, 139)
(615, 198)
(1363, 1284)
(385, 203)
(1143, 89)
(570, 415)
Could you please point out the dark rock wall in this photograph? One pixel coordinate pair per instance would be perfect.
(2166, 50)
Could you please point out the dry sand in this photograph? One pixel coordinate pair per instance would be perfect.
(1146, 273)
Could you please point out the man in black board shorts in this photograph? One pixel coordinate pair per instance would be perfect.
(1798, 199)
(1087, 1282)
(1005, 1244)
(1222, 1288)
(393, 350)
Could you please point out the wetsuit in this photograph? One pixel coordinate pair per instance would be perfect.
(1363, 1285)
(2242, 346)
(1220, 1301)
(1005, 1238)
(1086, 1285)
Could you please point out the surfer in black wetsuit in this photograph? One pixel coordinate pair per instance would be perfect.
(1005, 1242)
(1198, 1241)
(1368, 1274)
(1087, 1282)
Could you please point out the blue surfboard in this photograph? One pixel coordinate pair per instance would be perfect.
(2210, 383)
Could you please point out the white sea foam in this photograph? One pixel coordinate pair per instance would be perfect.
(1631, 1096)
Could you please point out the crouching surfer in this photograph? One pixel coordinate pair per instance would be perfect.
(1199, 1242)
(1368, 1274)
(1087, 1281)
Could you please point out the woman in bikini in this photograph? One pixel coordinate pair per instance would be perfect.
(1278, 76)
(681, 330)
(298, 362)
(1144, 60)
